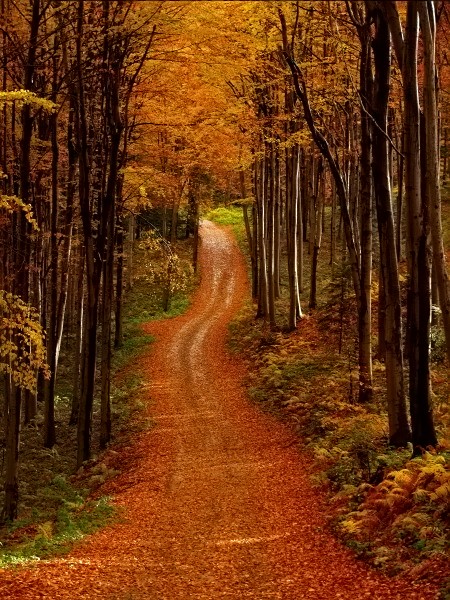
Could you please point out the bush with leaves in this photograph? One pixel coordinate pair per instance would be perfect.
(413, 501)
(22, 348)
(162, 266)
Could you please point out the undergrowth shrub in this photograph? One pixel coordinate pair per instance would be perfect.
(414, 501)
(437, 344)
(74, 517)
(160, 266)
(360, 441)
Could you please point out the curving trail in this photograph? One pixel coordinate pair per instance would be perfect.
(216, 498)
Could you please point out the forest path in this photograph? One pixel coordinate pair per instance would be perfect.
(216, 500)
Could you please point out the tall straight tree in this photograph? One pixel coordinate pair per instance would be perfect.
(418, 250)
(427, 16)
(21, 268)
(399, 431)
(361, 20)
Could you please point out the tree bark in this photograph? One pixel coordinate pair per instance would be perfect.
(399, 432)
(432, 175)
(423, 432)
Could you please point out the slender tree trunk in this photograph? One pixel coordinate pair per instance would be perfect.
(115, 130)
(92, 266)
(445, 156)
(261, 202)
(399, 432)
(292, 210)
(256, 258)
(432, 176)
(316, 234)
(399, 224)
(130, 250)
(79, 339)
(270, 188)
(196, 240)
(107, 291)
(11, 487)
(333, 225)
(118, 331)
(49, 388)
(21, 263)
(277, 226)
(174, 222)
(423, 432)
(366, 202)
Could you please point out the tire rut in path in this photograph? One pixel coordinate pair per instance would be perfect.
(217, 503)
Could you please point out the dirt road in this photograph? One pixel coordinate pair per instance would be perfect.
(216, 501)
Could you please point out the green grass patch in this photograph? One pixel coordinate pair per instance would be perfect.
(226, 215)
(231, 216)
(68, 517)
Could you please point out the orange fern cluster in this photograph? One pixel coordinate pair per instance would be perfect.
(415, 501)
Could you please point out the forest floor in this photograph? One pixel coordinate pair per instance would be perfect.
(215, 499)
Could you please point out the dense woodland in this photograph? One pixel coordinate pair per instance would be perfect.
(123, 121)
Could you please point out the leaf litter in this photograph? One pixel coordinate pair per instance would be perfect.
(215, 498)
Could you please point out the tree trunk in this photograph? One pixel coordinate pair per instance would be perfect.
(130, 250)
(423, 432)
(366, 243)
(431, 173)
(107, 290)
(270, 190)
(399, 224)
(14, 398)
(316, 233)
(92, 267)
(174, 222)
(277, 226)
(399, 433)
(118, 331)
(49, 388)
(292, 210)
(79, 339)
(261, 203)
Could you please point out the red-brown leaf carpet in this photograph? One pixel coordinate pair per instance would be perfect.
(216, 500)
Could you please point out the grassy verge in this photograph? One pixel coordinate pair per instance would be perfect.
(231, 216)
(68, 516)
